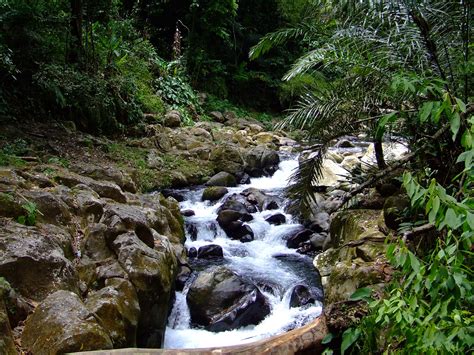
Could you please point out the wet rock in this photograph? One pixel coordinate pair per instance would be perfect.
(276, 219)
(188, 213)
(192, 230)
(211, 251)
(344, 143)
(220, 300)
(172, 119)
(270, 204)
(192, 252)
(239, 203)
(261, 161)
(177, 195)
(214, 193)
(62, 324)
(34, 259)
(301, 296)
(298, 238)
(225, 217)
(317, 241)
(237, 230)
(222, 179)
(183, 276)
(320, 222)
(152, 272)
(116, 306)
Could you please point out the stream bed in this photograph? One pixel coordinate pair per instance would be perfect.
(266, 261)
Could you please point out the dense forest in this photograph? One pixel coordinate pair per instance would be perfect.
(106, 78)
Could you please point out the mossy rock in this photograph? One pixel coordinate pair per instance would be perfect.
(10, 206)
(62, 324)
(352, 225)
(223, 179)
(214, 193)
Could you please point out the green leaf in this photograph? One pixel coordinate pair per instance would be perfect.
(388, 118)
(361, 294)
(349, 337)
(466, 140)
(327, 339)
(414, 262)
(451, 219)
(425, 111)
(470, 219)
(461, 105)
(434, 210)
(455, 124)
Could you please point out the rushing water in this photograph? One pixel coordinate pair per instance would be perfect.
(266, 261)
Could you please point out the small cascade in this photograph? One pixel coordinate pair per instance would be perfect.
(266, 261)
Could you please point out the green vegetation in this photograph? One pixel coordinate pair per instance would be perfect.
(404, 68)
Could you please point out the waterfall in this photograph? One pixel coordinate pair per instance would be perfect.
(266, 261)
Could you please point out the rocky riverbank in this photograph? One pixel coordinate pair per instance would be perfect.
(89, 259)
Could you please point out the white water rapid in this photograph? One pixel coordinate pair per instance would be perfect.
(266, 261)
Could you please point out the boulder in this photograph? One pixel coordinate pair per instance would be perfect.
(34, 259)
(188, 213)
(211, 251)
(320, 222)
(94, 243)
(62, 324)
(276, 219)
(237, 230)
(222, 179)
(344, 143)
(192, 252)
(172, 119)
(301, 296)
(227, 158)
(221, 300)
(7, 344)
(116, 306)
(350, 163)
(105, 173)
(51, 208)
(120, 218)
(103, 188)
(214, 193)
(261, 161)
(295, 240)
(217, 116)
(317, 241)
(239, 203)
(152, 272)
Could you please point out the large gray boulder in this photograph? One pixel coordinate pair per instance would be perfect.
(34, 260)
(62, 324)
(222, 179)
(220, 300)
(261, 161)
(117, 308)
(152, 272)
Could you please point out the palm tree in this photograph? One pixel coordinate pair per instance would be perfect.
(368, 50)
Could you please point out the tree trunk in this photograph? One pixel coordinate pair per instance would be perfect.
(76, 50)
(379, 154)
